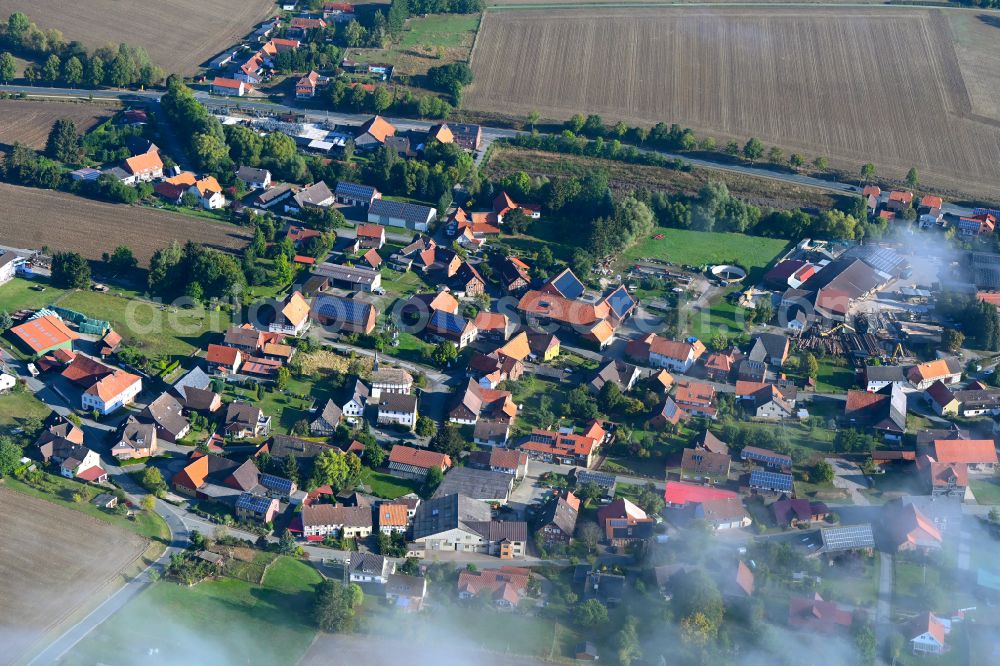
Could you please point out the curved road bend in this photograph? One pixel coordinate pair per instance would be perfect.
(178, 541)
(490, 134)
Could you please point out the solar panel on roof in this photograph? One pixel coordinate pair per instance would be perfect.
(774, 480)
(568, 285)
(346, 309)
(253, 503)
(766, 458)
(355, 190)
(847, 538)
(620, 301)
(447, 321)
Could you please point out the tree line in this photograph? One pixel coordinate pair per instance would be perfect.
(70, 63)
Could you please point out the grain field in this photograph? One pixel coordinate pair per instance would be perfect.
(31, 218)
(858, 85)
(52, 560)
(29, 121)
(178, 34)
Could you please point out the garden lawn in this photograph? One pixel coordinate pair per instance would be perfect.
(284, 408)
(697, 248)
(224, 621)
(59, 490)
(986, 490)
(19, 294)
(722, 316)
(834, 378)
(388, 486)
(446, 30)
(156, 332)
(15, 407)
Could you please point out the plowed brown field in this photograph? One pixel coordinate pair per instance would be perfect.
(178, 34)
(52, 560)
(29, 121)
(31, 218)
(855, 85)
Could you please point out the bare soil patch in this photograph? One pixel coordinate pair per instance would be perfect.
(854, 85)
(52, 561)
(31, 218)
(29, 121)
(178, 34)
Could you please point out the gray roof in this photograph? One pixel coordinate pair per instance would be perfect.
(7, 257)
(367, 563)
(480, 484)
(274, 193)
(397, 402)
(196, 378)
(252, 174)
(282, 446)
(767, 346)
(314, 195)
(448, 512)
(412, 213)
(885, 373)
(352, 274)
(167, 413)
(559, 513)
(406, 586)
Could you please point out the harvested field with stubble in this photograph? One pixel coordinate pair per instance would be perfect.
(29, 121)
(822, 81)
(178, 34)
(52, 561)
(31, 218)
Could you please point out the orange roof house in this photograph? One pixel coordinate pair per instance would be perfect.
(378, 128)
(44, 335)
(978, 452)
(393, 517)
(931, 201)
(110, 387)
(206, 185)
(441, 133)
(517, 348)
(146, 165)
(910, 529)
(295, 311)
(224, 358)
(562, 310)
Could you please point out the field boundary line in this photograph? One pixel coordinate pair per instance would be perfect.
(475, 40)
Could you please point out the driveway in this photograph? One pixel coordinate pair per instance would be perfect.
(849, 477)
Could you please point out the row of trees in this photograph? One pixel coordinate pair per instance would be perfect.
(341, 95)
(69, 63)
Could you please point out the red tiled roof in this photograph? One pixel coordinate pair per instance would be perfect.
(92, 474)
(681, 493)
(43, 333)
(422, 458)
(971, 451)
